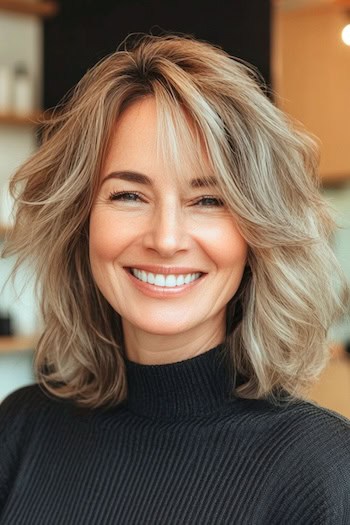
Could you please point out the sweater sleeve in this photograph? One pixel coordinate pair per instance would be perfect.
(334, 469)
(339, 507)
(310, 481)
(13, 416)
(331, 502)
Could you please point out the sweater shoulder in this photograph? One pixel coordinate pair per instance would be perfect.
(303, 412)
(301, 434)
(324, 435)
(319, 421)
(306, 425)
(25, 394)
(31, 404)
(321, 455)
(20, 403)
(28, 409)
(317, 442)
(20, 409)
(16, 415)
(309, 454)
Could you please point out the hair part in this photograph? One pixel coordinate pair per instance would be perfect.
(277, 322)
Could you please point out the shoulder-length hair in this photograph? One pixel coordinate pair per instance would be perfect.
(292, 289)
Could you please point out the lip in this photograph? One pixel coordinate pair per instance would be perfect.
(165, 270)
(163, 291)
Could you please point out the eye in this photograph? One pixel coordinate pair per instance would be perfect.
(133, 196)
(130, 196)
(211, 202)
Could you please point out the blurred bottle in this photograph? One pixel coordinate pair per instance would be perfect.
(22, 90)
(6, 87)
(5, 324)
(347, 346)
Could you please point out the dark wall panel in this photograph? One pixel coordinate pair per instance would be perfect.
(86, 30)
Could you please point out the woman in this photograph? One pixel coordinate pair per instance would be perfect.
(180, 244)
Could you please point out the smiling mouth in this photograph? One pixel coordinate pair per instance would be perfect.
(165, 281)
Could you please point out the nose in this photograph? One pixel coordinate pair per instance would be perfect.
(167, 230)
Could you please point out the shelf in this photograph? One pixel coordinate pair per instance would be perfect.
(44, 8)
(33, 119)
(3, 231)
(17, 343)
(336, 180)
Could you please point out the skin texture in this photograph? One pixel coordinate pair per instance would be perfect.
(166, 225)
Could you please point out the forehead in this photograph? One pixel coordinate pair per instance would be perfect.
(151, 141)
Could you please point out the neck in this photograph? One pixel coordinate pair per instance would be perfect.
(195, 386)
(159, 349)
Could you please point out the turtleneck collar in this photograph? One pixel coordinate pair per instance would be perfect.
(195, 386)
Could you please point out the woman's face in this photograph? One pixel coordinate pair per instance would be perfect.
(143, 219)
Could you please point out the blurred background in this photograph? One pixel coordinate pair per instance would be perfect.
(300, 47)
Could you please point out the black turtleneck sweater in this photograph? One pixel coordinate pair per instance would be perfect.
(179, 450)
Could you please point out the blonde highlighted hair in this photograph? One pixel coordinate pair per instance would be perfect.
(292, 289)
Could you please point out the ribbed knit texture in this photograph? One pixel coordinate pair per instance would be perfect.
(180, 450)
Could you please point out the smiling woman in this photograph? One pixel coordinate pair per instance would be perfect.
(181, 248)
(154, 223)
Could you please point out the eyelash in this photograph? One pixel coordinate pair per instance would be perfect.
(116, 195)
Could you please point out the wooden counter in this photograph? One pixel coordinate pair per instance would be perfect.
(16, 343)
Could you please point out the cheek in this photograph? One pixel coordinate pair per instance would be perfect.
(106, 238)
(226, 246)
(101, 238)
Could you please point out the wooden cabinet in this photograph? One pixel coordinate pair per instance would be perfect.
(17, 343)
(311, 78)
(43, 8)
(11, 119)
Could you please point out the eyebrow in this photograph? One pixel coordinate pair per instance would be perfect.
(140, 178)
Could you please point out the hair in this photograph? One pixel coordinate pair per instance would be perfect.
(292, 288)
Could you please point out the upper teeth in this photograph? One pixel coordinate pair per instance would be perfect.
(164, 280)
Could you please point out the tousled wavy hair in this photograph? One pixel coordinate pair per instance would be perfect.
(292, 288)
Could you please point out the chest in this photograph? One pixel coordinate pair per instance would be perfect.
(132, 475)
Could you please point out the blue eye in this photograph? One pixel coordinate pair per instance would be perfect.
(123, 196)
(211, 201)
(131, 196)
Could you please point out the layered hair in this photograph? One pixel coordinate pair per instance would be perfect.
(292, 288)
